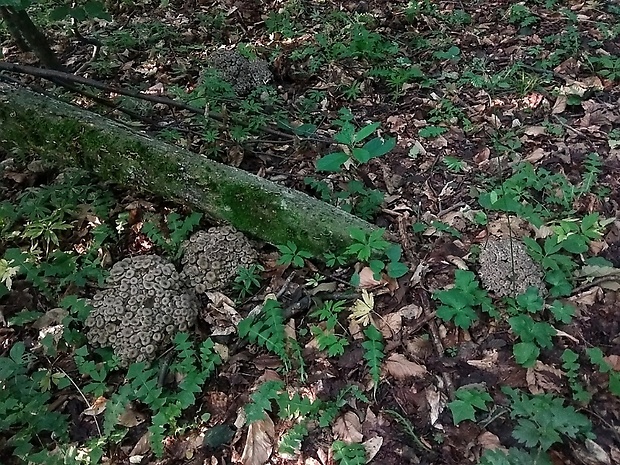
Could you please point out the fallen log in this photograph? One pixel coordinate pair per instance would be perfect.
(69, 136)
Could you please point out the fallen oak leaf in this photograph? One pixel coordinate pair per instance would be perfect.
(399, 367)
(259, 443)
(348, 428)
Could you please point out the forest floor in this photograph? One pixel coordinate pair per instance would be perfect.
(506, 121)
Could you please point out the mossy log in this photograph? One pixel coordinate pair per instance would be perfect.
(72, 137)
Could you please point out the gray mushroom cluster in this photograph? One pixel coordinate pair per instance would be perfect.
(244, 75)
(143, 304)
(211, 258)
(508, 270)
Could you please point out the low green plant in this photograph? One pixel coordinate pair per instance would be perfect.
(514, 456)
(542, 420)
(272, 397)
(607, 66)
(533, 335)
(326, 335)
(372, 248)
(267, 330)
(571, 366)
(352, 139)
(459, 304)
(467, 401)
(291, 254)
(178, 230)
(349, 453)
(373, 353)
(597, 357)
(521, 16)
(247, 279)
(193, 366)
(25, 416)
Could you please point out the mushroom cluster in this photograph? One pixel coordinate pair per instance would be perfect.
(508, 270)
(143, 304)
(244, 75)
(211, 258)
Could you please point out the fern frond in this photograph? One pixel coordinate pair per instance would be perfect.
(373, 352)
(261, 400)
(267, 330)
(290, 443)
(349, 454)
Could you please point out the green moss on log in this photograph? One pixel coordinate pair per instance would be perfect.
(70, 136)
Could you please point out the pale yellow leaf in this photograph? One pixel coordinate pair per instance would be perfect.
(360, 312)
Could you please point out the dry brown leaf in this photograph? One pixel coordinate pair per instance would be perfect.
(436, 405)
(534, 130)
(542, 378)
(130, 417)
(390, 324)
(614, 361)
(142, 447)
(411, 311)
(489, 441)
(97, 407)
(367, 279)
(399, 367)
(372, 447)
(348, 428)
(259, 443)
(487, 362)
(589, 297)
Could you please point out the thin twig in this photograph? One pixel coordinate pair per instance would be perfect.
(62, 78)
(81, 394)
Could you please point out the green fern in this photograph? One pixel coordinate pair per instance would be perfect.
(349, 454)
(262, 400)
(290, 443)
(373, 353)
(267, 330)
(327, 338)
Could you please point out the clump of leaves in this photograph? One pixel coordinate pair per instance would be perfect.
(24, 402)
(571, 366)
(373, 353)
(247, 279)
(267, 330)
(193, 367)
(371, 248)
(459, 304)
(543, 419)
(597, 357)
(468, 400)
(290, 253)
(326, 336)
(349, 454)
(178, 228)
(349, 136)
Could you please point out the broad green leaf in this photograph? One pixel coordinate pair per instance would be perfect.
(305, 129)
(461, 411)
(366, 131)
(526, 354)
(332, 161)
(59, 13)
(378, 147)
(397, 269)
(361, 155)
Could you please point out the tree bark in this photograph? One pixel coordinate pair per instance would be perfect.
(72, 137)
(27, 35)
